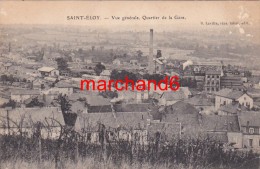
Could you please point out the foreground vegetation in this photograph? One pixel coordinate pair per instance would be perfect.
(20, 152)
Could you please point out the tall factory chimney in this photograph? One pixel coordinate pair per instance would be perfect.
(151, 64)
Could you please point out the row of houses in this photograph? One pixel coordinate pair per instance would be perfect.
(180, 120)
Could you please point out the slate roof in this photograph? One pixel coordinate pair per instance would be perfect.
(62, 84)
(253, 117)
(199, 100)
(220, 123)
(229, 93)
(125, 120)
(233, 109)
(180, 94)
(78, 107)
(180, 107)
(167, 130)
(132, 107)
(25, 92)
(27, 116)
(97, 100)
(132, 119)
(213, 72)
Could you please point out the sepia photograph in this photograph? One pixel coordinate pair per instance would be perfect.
(130, 85)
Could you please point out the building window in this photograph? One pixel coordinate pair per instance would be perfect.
(244, 98)
(251, 142)
(259, 143)
(251, 130)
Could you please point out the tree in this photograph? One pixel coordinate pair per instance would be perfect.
(69, 117)
(10, 103)
(156, 77)
(120, 75)
(99, 68)
(62, 64)
(139, 53)
(64, 103)
(35, 103)
(4, 78)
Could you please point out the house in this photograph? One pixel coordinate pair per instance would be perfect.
(160, 65)
(124, 126)
(48, 72)
(134, 62)
(25, 120)
(88, 61)
(37, 84)
(118, 61)
(201, 102)
(229, 96)
(163, 131)
(184, 114)
(97, 104)
(231, 109)
(20, 95)
(127, 95)
(106, 73)
(132, 107)
(7, 66)
(250, 127)
(170, 97)
(63, 88)
(225, 129)
(200, 67)
(231, 82)
(141, 96)
(212, 81)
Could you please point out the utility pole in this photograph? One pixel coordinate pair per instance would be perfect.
(7, 118)
(180, 129)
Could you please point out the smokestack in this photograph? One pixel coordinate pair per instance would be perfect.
(151, 52)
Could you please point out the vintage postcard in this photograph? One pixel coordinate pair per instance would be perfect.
(130, 84)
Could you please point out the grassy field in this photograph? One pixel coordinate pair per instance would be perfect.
(90, 163)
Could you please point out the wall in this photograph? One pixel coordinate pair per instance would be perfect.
(220, 101)
(20, 98)
(246, 100)
(255, 138)
(237, 138)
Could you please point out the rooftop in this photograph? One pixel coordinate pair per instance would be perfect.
(62, 84)
(229, 93)
(29, 116)
(232, 108)
(199, 100)
(220, 123)
(250, 117)
(24, 92)
(46, 69)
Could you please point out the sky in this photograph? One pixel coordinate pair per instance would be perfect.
(195, 12)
